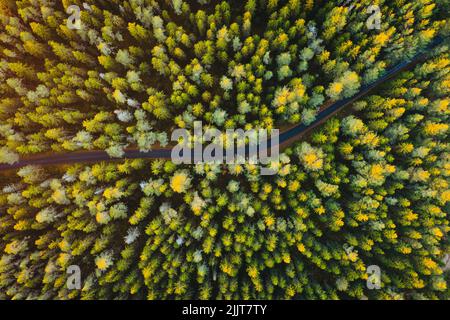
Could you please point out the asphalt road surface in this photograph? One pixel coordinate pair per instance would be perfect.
(286, 137)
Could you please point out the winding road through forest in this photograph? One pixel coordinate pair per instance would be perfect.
(286, 137)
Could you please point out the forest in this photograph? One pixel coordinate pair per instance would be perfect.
(367, 187)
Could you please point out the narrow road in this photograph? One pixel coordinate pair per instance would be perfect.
(287, 137)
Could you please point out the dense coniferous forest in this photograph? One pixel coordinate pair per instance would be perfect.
(367, 187)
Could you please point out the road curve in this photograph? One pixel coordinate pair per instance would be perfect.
(286, 137)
